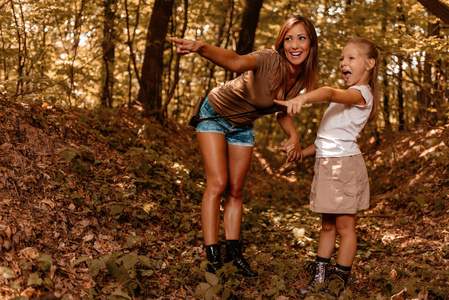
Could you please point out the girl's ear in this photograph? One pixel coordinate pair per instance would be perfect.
(371, 62)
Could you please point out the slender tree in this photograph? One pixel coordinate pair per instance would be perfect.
(21, 43)
(108, 46)
(171, 92)
(222, 32)
(150, 86)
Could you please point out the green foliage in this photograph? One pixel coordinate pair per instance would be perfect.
(129, 272)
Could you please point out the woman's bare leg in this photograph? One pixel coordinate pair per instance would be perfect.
(239, 160)
(213, 149)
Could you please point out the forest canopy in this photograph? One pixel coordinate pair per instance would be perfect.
(90, 53)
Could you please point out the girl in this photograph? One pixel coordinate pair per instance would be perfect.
(340, 185)
(226, 144)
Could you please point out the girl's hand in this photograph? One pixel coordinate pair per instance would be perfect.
(292, 148)
(186, 46)
(293, 106)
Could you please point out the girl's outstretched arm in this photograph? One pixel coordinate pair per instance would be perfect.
(323, 94)
(221, 57)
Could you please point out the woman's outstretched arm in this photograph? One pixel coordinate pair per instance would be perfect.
(224, 58)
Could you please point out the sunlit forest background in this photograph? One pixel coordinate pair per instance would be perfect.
(92, 53)
(101, 178)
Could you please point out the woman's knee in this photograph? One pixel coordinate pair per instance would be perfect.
(216, 186)
(235, 192)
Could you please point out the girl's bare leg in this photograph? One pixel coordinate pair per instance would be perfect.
(328, 235)
(348, 239)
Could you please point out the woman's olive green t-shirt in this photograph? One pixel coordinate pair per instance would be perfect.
(250, 91)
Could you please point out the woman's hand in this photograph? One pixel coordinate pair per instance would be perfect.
(186, 46)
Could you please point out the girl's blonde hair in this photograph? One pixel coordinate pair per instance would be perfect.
(371, 52)
(309, 71)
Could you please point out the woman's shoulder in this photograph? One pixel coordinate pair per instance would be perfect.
(265, 53)
(266, 57)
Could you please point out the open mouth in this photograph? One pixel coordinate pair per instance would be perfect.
(346, 75)
(295, 54)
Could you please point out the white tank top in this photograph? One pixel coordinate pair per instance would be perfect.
(341, 126)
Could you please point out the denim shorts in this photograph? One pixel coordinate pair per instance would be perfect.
(235, 135)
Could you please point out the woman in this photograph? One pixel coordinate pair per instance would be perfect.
(226, 141)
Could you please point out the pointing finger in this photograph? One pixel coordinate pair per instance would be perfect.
(280, 102)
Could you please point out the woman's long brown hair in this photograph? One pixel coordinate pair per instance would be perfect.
(309, 71)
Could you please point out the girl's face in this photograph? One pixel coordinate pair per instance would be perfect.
(296, 45)
(354, 65)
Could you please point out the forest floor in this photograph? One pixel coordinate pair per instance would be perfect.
(106, 205)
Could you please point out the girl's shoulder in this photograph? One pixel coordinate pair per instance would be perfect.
(366, 92)
(360, 87)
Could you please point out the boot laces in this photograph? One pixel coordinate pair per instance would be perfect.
(318, 271)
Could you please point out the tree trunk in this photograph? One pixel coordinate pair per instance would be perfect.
(220, 32)
(437, 8)
(149, 93)
(21, 56)
(108, 46)
(130, 42)
(400, 91)
(5, 65)
(76, 42)
(432, 31)
(171, 92)
(400, 98)
(386, 97)
(249, 25)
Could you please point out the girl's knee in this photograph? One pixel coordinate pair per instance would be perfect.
(328, 227)
(346, 226)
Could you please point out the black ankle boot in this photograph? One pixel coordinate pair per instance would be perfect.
(338, 279)
(234, 254)
(318, 270)
(213, 253)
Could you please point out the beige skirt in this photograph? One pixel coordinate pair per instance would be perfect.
(340, 185)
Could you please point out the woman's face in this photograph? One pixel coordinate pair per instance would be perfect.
(297, 45)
